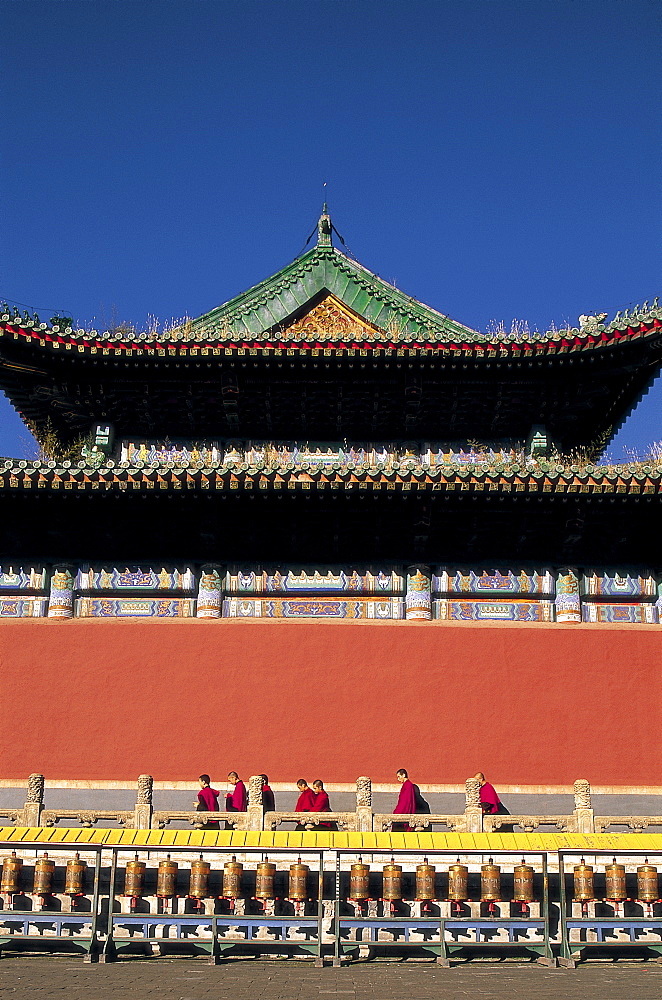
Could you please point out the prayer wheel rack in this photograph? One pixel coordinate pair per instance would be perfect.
(532, 904)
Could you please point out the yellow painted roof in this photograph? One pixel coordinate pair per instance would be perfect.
(329, 840)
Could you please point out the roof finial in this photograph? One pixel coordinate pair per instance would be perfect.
(324, 227)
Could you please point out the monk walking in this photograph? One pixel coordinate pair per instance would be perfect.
(207, 800)
(321, 804)
(408, 799)
(305, 801)
(268, 798)
(489, 800)
(236, 800)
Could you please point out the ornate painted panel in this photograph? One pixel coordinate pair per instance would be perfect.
(259, 580)
(22, 578)
(23, 607)
(307, 607)
(492, 581)
(134, 579)
(639, 614)
(613, 584)
(507, 611)
(136, 607)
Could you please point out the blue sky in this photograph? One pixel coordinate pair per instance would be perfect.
(497, 160)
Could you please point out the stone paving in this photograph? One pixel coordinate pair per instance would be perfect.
(27, 977)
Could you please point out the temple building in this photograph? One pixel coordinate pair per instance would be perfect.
(325, 447)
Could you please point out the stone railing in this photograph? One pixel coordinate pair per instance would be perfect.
(637, 823)
(310, 821)
(419, 821)
(162, 817)
(472, 820)
(88, 817)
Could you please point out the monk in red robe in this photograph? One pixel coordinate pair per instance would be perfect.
(321, 804)
(268, 798)
(407, 799)
(207, 800)
(489, 800)
(305, 801)
(236, 800)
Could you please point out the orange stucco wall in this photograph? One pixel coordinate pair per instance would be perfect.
(530, 704)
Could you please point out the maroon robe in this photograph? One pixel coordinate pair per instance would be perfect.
(208, 798)
(407, 799)
(489, 799)
(268, 799)
(236, 800)
(305, 802)
(321, 805)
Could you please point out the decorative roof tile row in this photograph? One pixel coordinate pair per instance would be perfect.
(633, 480)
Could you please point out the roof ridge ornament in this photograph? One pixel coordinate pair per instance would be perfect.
(324, 228)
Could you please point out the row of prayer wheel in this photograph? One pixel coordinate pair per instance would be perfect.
(615, 883)
(359, 876)
(44, 870)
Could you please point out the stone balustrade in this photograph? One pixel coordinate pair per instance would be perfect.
(144, 817)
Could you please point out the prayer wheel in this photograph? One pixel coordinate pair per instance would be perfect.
(615, 882)
(166, 879)
(490, 881)
(583, 876)
(359, 877)
(232, 872)
(425, 874)
(298, 882)
(74, 880)
(392, 881)
(44, 870)
(523, 883)
(134, 878)
(264, 880)
(12, 870)
(199, 882)
(458, 877)
(647, 890)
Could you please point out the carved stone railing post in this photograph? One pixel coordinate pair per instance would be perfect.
(473, 813)
(363, 804)
(583, 809)
(143, 810)
(34, 803)
(255, 811)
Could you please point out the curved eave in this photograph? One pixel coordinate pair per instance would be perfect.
(605, 482)
(41, 343)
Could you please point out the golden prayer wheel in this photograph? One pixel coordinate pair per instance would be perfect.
(359, 877)
(523, 883)
(12, 869)
(458, 877)
(647, 890)
(392, 881)
(615, 889)
(298, 883)
(490, 881)
(134, 878)
(264, 880)
(232, 872)
(75, 876)
(44, 870)
(583, 875)
(425, 875)
(198, 885)
(166, 879)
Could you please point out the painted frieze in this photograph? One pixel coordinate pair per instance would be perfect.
(308, 607)
(331, 580)
(500, 610)
(22, 578)
(136, 607)
(486, 580)
(595, 583)
(113, 578)
(23, 607)
(636, 614)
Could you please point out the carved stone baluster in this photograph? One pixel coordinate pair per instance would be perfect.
(584, 818)
(473, 813)
(255, 811)
(34, 803)
(363, 804)
(143, 809)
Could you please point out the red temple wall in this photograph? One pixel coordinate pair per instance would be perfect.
(529, 704)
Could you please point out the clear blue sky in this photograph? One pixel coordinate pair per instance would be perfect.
(495, 159)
